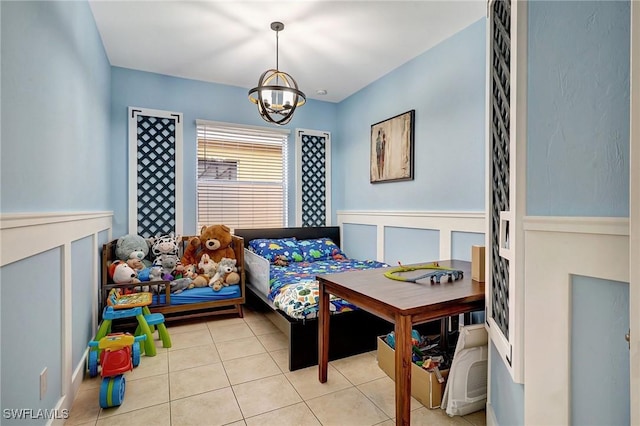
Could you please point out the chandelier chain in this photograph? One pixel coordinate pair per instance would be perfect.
(277, 50)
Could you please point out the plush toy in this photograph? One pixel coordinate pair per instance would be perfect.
(281, 260)
(168, 263)
(152, 273)
(207, 266)
(192, 252)
(178, 271)
(190, 271)
(178, 286)
(198, 280)
(136, 264)
(201, 280)
(155, 273)
(164, 244)
(121, 273)
(132, 246)
(337, 255)
(226, 274)
(214, 240)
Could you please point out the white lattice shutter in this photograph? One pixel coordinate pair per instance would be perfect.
(506, 167)
(313, 178)
(155, 172)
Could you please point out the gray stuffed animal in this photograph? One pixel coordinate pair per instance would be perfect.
(132, 246)
(181, 284)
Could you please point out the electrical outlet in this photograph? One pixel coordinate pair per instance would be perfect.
(43, 383)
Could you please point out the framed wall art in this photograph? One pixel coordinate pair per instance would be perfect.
(392, 149)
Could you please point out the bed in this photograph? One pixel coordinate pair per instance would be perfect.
(353, 331)
(192, 303)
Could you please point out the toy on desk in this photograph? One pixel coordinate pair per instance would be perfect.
(118, 353)
(436, 276)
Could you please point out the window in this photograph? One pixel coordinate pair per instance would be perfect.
(242, 176)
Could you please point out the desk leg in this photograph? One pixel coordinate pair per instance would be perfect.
(323, 333)
(403, 370)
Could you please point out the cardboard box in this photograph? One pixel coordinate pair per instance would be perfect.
(477, 263)
(424, 384)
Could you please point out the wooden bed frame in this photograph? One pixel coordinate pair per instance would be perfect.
(180, 312)
(351, 333)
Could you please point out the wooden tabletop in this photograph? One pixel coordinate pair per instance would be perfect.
(388, 298)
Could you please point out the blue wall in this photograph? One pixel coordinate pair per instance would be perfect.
(55, 109)
(599, 318)
(507, 397)
(446, 87)
(578, 108)
(31, 321)
(55, 157)
(196, 100)
(83, 293)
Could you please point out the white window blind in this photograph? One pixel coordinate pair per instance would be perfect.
(242, 176)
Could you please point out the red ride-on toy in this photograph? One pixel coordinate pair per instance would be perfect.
(118, 353)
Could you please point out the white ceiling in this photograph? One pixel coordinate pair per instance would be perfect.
(339, 46)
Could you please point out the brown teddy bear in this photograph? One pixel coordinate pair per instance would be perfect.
(214, 240)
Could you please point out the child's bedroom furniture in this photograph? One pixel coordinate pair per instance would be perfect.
(404, 303)
(352, 332)
(192, 303)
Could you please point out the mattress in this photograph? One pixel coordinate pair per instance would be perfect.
(294, 289)
(201, 294)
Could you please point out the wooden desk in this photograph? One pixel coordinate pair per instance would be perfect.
(404, 304)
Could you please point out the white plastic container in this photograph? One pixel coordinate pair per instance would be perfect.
(466, 389)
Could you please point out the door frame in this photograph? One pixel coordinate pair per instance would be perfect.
(634, 217)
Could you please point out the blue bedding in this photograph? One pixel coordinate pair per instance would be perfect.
(201, 294)
(294, 288)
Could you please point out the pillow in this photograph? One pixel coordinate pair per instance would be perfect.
(269, 248)
(320, 249)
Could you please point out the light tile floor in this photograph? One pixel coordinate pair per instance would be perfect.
(234, 371)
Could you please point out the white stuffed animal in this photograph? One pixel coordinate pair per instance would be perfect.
(207, 266)
(121, 273)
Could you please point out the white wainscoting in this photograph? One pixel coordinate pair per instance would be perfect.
(556, 248)
(28, 234)
(444, 222)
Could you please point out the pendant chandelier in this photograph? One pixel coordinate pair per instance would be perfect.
(277, 94)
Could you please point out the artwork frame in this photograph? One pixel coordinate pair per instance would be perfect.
(392, 148)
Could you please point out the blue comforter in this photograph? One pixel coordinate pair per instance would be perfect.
(294, 288)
